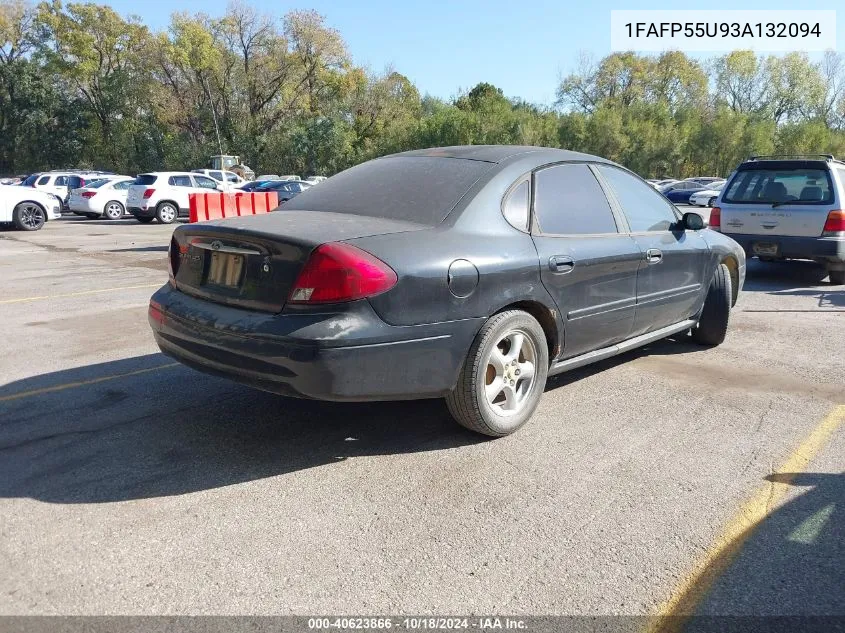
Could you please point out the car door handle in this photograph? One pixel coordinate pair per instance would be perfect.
(654, 256)
(561, 264)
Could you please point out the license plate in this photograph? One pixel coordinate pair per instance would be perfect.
(225, 270)
(764, 248)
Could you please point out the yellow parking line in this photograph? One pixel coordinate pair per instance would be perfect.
(82, 383)
(78, 294)
(686, 598)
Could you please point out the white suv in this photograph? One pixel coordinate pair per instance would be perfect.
(164, 195)
(61, 183)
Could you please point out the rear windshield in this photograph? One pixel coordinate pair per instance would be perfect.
(793, 186)
(421, 189)
(145, 179)
(94, 184)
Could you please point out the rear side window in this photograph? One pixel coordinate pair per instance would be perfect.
(422, 189)
(180, 181)
(795, 186)
(516, 206)
(645, 209)
(145, 179)
(568, 200)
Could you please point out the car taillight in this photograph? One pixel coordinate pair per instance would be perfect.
(173, 260)
(715, 218)
(89, 194)
(148, 193)
(835, 223)
(338, 272)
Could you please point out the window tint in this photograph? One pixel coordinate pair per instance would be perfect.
(801, 186)
(216, 175)
(145, 179)
(645, 208)
(421, 189)
(205, 182)
(43, 180)
(569, 201)
(515, 207)
(180, 181)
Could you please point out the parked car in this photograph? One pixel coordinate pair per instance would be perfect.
(787, 207)
(286, 189)
(663, 183)
(704, 180)
(252, 185)
(27, 208)
(680, 192)
(313, 180)
(229, 179)
(267, 177)
(706, 197)
(105, 197)
(163, 195)
(376, 285)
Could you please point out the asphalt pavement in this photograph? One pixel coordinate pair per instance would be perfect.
(132, 485)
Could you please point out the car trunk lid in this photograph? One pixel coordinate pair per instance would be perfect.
(800, 220)
(253, 262)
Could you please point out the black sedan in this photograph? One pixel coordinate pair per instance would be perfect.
(286, 189)
(470, 273)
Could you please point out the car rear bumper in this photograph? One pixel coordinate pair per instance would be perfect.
(344, 354)
(83, 206)
(827, 248)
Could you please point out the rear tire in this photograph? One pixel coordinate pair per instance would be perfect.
(143, 220)
(166, 213)
(503, 377)
(29, 216)
(837, 277)
(113, 210)
(713, 323)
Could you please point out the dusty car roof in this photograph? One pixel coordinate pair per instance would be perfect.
(500, 153)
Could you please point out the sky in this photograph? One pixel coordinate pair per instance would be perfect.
(445, 47)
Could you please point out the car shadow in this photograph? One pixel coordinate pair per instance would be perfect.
(784, 574)
(778, 276)
(148, 427)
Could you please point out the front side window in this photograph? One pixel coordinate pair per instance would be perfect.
(645, 208)
(516, 206)
(216, 175)
(568, 200)
(205, 182)
(180, 181)
(769, 186)
(43, 180)
(231, 177)
(61, 181)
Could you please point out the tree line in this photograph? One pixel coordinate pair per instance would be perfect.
(83, 86)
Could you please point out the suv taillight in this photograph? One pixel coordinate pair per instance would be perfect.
(149, 194)
(89, 194)
(715, 218)
(337, 272)
(835, 223)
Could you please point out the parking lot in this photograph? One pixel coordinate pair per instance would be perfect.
(672, 478)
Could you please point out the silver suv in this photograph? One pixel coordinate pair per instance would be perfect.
(787, 207)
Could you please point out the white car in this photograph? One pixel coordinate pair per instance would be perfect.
(28, 208)
(707, 197)
(313, 180)
(101, 198)
(268, 177)
(230, 179)
(163, 195)
(61, 183)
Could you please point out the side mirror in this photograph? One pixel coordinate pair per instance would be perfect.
(692, 222)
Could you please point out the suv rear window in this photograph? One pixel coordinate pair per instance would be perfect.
(793, 186)
(421, 189)
(145, 179)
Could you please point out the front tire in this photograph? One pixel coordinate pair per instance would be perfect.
(29, 216)
(166, 213)
(713, 323)
(113, 210)
(503, 377)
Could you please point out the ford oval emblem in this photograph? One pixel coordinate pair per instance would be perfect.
(216, 245)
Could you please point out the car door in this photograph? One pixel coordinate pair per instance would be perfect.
(182, 187)
(670, 276)
(586, 264)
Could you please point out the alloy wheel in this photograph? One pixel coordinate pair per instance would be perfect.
(31, 215)
(510, 372)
